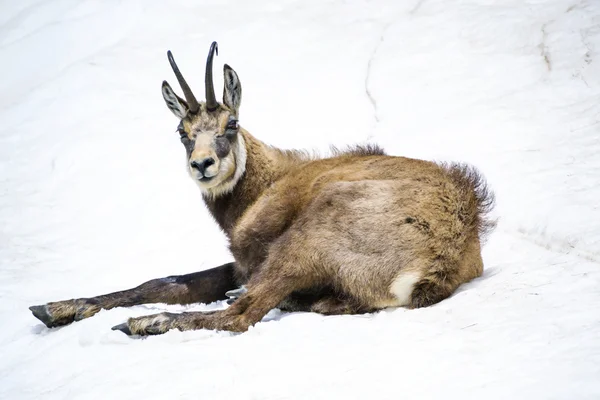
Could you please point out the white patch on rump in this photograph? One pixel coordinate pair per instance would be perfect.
(402, 286)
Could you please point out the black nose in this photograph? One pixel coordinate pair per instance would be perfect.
(202, 165)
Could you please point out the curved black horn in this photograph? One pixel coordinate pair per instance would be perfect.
(211, 100)
(189, 96)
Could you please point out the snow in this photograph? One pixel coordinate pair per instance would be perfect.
(95, 197)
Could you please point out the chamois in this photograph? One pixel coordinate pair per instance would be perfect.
(355, 232)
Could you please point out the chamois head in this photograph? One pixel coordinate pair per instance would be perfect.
(216, 153)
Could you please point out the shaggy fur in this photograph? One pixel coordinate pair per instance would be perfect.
(354, 232)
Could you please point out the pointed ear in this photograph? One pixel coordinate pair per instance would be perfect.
(176, 104)
(232, 92)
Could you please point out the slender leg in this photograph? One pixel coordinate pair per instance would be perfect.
(244, 312)
(199, 287)
(277, 279)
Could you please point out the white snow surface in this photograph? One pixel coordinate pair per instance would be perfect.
(95, 198)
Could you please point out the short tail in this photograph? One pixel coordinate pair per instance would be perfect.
(479, 199)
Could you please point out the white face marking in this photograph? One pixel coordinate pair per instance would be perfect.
(402, 287)
(203, 148)
(236, 157)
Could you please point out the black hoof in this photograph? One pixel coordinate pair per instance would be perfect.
(123, 328)
(41, 313)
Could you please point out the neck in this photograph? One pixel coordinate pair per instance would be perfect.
(264, 165)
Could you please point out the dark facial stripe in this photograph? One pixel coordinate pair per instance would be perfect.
(222, 146)
(189, 145)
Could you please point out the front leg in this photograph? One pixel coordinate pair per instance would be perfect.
(199, 287)
(235, 319)
(265, 291)
(247, 310)
(157, 324)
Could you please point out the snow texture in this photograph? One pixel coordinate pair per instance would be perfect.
(95, 198)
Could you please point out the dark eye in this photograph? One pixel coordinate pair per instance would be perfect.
(182, 133)
(233, 125)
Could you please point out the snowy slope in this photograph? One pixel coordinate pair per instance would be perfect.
(94, 196)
